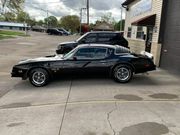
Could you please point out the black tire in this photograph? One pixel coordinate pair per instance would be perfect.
(122, 73)
(39, 77)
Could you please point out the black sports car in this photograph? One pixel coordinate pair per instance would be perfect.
(117, 61)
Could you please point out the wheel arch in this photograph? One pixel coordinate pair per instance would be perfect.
(48, 71)
(122, 63)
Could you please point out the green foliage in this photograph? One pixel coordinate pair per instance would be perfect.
(2, 18)
(108, 18)
(40, 23)
(118, 25)
(9, 17)
(13, 5)
(22, 17)
(70, 22)
(9, 34)
(32, 22)
(51, 21)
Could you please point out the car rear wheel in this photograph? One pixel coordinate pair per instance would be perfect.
(39, 77)
(122, 73)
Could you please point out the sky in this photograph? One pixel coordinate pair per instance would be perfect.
(38, 8)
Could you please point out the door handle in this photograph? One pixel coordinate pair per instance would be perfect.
(103, 62)
(165, 51)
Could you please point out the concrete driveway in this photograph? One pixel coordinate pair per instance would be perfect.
(148, 105)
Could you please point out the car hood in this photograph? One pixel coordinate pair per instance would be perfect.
(65, 43)
(42, 59)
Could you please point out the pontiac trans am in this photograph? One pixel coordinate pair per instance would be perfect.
(117, 61)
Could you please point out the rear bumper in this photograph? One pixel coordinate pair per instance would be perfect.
(146, 69)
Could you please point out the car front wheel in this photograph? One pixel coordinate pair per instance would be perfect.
(39, 77)
(122, 73)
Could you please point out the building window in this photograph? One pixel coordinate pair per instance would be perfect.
(140, 32)
(129, 32)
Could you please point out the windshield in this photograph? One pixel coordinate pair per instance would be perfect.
(70, 54)
(79, 39)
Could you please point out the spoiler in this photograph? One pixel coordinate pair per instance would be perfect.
(149, 55)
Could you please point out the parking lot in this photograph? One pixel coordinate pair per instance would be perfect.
(148, 105)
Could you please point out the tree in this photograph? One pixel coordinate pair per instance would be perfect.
(9, 17)
(22, 17)
(12, 5)
(117, 26)
(51, 21)
(70, 22)
(108, 18)
(40, 23)
(31, 22)
(2, 18)
(25, 17)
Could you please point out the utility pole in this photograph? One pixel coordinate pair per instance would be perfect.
(47, 19)
(88, 12)
(81, 10)
(121, 23)
(25, 25)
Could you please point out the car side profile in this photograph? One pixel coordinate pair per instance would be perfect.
(65, 32)
(116, 61)
(98, 37)
(54, 31)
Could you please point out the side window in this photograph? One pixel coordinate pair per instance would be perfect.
(91, 38)
(100, 53)
(92, 53)
(84, 53)
(120, 50)
(104, 37)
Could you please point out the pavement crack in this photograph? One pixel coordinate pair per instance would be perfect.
(109, 121)
(64, 113)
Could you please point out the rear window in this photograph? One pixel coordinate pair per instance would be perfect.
(120, 49)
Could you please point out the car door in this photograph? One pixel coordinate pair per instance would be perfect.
(78, 63)
(100, 61)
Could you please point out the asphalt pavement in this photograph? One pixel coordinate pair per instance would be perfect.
(148, 105)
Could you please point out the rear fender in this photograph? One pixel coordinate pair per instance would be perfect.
(122, 63)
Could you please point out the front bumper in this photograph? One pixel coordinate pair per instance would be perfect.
(19, 72)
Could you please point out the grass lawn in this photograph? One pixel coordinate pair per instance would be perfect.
(4, 34)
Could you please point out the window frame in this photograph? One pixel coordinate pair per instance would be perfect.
(93, 57)
(88, 35)
(106, 55)
(140, 31)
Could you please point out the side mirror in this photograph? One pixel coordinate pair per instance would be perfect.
(74, 58)
(83, 41)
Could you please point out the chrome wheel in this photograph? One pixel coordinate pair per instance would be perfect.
(39, 78)
(122, 73)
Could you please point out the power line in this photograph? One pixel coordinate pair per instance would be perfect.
(44, 3)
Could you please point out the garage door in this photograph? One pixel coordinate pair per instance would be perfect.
(170, 58)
